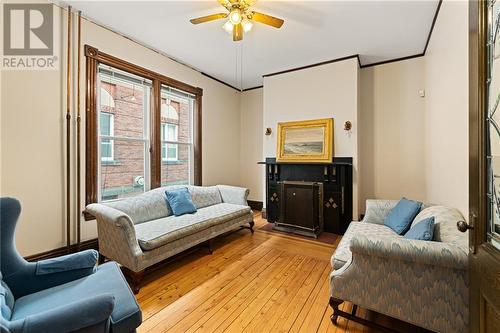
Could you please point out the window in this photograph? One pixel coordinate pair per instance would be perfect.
(168, 147)
(143, 129)
(123, 133)
(106, 131)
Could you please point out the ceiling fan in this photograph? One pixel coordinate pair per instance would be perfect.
(240, 17)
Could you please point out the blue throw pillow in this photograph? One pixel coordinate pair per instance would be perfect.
(180, 201)
(423, 230)
(400, 217)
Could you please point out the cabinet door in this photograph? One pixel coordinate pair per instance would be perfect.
(273, 203)
(332, 211)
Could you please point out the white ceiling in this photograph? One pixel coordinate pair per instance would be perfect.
(314, 31)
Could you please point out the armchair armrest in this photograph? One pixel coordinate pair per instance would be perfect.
(117, 238)
(233, 194)
(32, 277)
(412, 251)
(71, 317)
(84, 260)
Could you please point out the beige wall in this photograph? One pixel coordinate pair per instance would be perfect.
(251, 137)
(328, 91)
(446, 108)
(392, 131)
(33, 136)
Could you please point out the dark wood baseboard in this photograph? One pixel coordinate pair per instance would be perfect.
(86, 245)
(255, 205)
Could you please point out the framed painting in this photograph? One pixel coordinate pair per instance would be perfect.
(308, 141)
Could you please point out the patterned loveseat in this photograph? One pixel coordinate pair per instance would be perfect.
(141, 231)
(421, 282)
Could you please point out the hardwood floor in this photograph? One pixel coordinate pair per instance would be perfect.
(251, 283)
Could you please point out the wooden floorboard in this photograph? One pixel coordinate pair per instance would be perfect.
(265, 282)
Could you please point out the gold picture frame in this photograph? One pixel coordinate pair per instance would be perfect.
(307, 141)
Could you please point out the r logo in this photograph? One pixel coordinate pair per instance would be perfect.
(28, 29)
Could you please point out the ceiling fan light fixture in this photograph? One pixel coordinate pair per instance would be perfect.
(228, 26)
(247, 25)
(235, 17)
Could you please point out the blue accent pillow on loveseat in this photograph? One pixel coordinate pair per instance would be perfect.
(423, 230)
(180, 202)
(400, 217)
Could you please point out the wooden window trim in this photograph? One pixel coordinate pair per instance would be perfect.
(94, 57)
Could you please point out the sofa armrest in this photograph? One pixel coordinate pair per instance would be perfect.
(377, 210)
(74, 316)
(409, 250)
(117, 238)
(233, 194)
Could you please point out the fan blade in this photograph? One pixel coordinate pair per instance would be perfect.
(237, 32)
(267, 19)
(208, 18)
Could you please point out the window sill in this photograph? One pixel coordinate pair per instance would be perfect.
(172, 162)
(111, 163)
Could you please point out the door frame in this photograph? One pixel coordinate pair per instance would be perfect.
(483, 257)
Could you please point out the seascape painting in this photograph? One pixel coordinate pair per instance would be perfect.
(304, 141)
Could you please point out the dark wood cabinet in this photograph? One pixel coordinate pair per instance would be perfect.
(336, 180)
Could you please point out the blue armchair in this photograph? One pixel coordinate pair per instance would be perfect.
(65, 294)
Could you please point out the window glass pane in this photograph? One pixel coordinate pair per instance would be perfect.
(127, 97)
(176, 126)
(123, 177)
(124, 133)
(180, 170)
(105, 121)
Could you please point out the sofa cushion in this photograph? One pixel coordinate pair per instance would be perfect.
(423, 230)
(156, 233)
(108, 279)
(150, 205)
(342, 254)
(445, 225)
(400, 217)
(204, 196)
(179, 201)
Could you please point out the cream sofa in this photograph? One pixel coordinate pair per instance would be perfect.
(141, 231)
(421, 282)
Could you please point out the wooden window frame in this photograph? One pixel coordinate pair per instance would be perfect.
(94, 57)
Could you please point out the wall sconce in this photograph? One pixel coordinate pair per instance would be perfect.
(269, 131)
(347, 126)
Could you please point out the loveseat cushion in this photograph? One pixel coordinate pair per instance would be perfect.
(156, 233)
(108, 279)
(342, 254)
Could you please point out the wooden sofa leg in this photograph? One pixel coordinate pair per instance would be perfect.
(251, 226)
(101, 259)
(335, 303)
(210, 244)
(135, 278)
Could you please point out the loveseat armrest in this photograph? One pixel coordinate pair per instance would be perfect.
(233, 194)
(409, 250)
(117, 237)
(377, 210)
